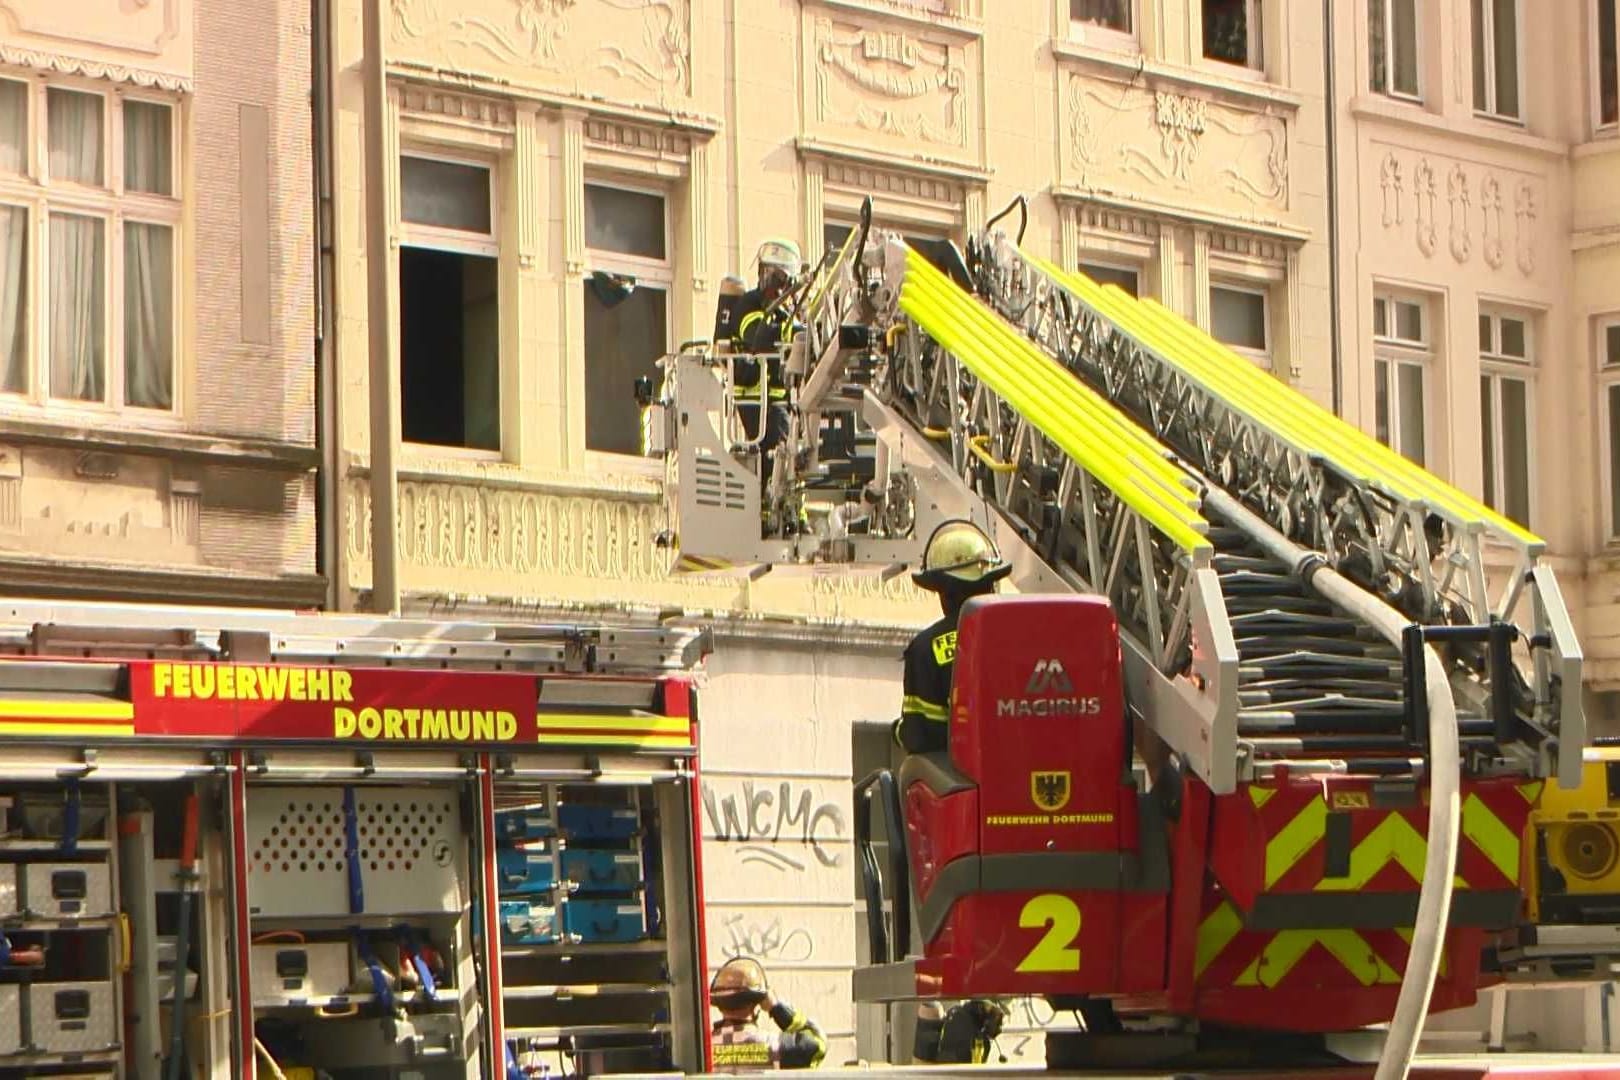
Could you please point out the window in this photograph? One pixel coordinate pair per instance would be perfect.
(1496, 57)
(1112, 15)
(626, 309)
(937, 250)
(1238, 317)
(1608, 348)
(1505, 412)
(449, 305)
(1400, 371)
(1128, 279)
(1232, 31)
(1608, 65)
(1392, 26)
(101, 302)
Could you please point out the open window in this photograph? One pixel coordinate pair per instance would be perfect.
(627, 311)
(1232, 32)
(1392, 29)
(449, 305)
(1128, 278)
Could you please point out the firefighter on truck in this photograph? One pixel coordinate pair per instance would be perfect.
(960, 562)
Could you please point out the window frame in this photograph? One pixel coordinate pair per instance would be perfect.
(442, 238)
(1491, 109)
(115, 207)
(1608, 377)
(1394, 352)
(1263, 357)
(1116, 264)
(1496, 366)
(659, 273)
(1389, 90)
(1600, 128)
(1254, 30)
(1106, 37)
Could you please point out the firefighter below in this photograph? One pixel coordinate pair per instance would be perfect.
(738, 991)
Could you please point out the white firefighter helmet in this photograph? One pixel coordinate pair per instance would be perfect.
(781, 253)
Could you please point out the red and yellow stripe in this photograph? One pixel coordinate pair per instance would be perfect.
(37, 717)
(640, 731)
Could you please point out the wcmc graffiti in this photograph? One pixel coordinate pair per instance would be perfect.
(754, 815)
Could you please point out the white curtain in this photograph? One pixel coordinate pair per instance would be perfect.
(148, 307)
(13, 126)
(13, 298)
(76, 309)
(147, 148)
(75, 136)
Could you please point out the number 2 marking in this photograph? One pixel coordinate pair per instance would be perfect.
(1056, 951)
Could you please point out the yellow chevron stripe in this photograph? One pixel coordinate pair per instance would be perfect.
(1392, 840)
(69, 710)
(1284, 952)
(1531, 791)
(669, 725)
(661, 742)
(1445, 954)
(1294, 840)
(26, 727)
(1215, 933)
(1486, 831)
(1261, 795)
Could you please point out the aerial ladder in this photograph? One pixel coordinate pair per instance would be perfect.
(1342, 683)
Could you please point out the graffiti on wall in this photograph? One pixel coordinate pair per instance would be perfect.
(766, 941)
(757, 815)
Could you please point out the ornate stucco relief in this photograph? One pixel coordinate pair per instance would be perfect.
(1127, 134)
(139, 26)
(644, 42)
(890, 82)
(1477, 197)
(529, 542)
(91, 69)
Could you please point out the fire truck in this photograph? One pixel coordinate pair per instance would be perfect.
(1257, 750)
(265, 845)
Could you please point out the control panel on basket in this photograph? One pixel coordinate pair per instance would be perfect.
(571, 872)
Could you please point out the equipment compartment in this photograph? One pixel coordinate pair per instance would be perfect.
(602, 871)
(588, 821)
(71, 1018)
(526, 871)
(526, 923)
(604, 920)
(294, 972)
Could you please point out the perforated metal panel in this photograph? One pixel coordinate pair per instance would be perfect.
(411, 846)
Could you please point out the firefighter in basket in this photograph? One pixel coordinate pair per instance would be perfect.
(757, 326)
(739, 991)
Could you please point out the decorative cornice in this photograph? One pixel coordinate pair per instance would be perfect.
(1129, 67)
(35, 575)
(1076, 195)
(935, 168)
(174, 445)
(443, 103)
(963, 25)
(697, 125)
(72, 65)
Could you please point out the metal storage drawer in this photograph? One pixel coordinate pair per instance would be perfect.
(10, 1018)
(517, 826)
(64, 890)
(297, 972)
(71, 1018)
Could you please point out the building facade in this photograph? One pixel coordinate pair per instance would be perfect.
(537, 154)
(1478, 228)
(157, 424)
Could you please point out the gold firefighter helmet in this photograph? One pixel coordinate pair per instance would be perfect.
(739, 984)
(959, 553)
